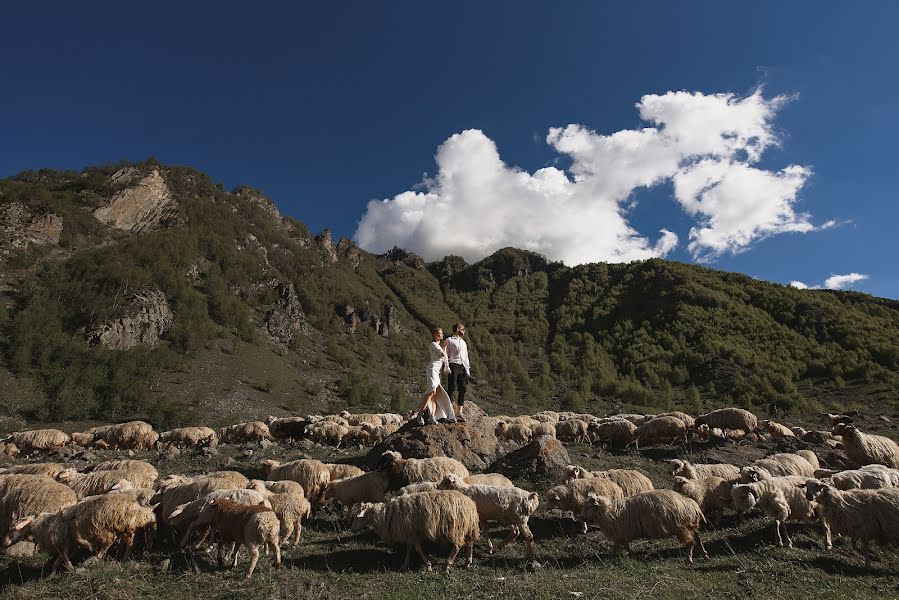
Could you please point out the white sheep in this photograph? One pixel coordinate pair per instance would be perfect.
(403, 471)
(291, 509)
(781, 465)
(712, 493)
(866, 449)
(240, 433)
(782, 499)
(616, 433)
(367, 487)
(572, 430)
(572, 496)
(776, 430)
(630, 481)
(661, 430)
(684, 468)
(729, 418)
(312, 474)
(651, 515)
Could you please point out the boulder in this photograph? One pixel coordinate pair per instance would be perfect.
(144, 207)
(472, 443)
(539, 460)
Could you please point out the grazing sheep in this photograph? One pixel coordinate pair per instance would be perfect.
(820, 437)
(572, 430)
(48, 469)
(573, 495)
(861, 515)
(327, 432)
(312, 474)
(543, 428)
(335, 419)
(661, 430)
(391, 419)
(241, 433)
(799, 432)
(367, 487)
(684, 468)
(187, 437)
(133, 435)
(99, 522)
(359, 419)
(866, 449)
(729, 418)
(869, 477)
(513, 432)
(511, 506)
(284, 486)
(141, 473)
(403, 471)
(187, 513)
(630, 481)
(651, 515)
(287, 428)
(775, 430)
(49, 532)
(38, 440)
(687, 419)
(101, 482)
(23, 495)
(291, 509)
(780, 465)
(9, 449)
(782, 499)
(616, 433)
(489, 479)
(242, 524)
(235, 478)
(711, 493)
(357, 435)
(341, 471)
(417, 488)
(547, 416)
(635, 419)
(171, 496)
(443, 517)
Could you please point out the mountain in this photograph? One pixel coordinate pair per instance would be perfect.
(145, 290)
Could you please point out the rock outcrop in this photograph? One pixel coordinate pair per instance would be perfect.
(382, 323)
(146, 206)
(327, 245)
(472, 443)
(20, 228)
(268, 207)
(347, 250)
(285, 319)
(542, 459)
(147, 317)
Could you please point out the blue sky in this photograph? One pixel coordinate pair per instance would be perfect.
(329, 105)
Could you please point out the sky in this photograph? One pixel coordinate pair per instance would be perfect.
(755, 137)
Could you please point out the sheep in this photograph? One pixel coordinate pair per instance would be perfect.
(391, 419)
(655, 514)
(635, 419)
(335, 419)
(661, 430)
(234, 478)
(631, 482)
(101, 482)
(50, 534)
(855, 479)
(513, 432)
(185, 514)
(866, 449)
(341, 471)
(359, 419)
(687, 419)
(356, 435)
(547, 416)
(84, 440)
(572, 495)
(403, 471)
(312, 474)
(543, 428)
(284, 486)
(188, 437)
(171, 496)
(23, 495)
(712, 493)
(327, 432)
(48, 469)
(417, 488)
(489, 479)
(616, 433)
(820, 437)
(38, 439)
(861, 515)
(140, 473)
(291, 509)
(241, 524)
(240, 433)
(100, 521)
(776, 430)
(444, 517)
(367, 487)
(572, 430)
(782, 499)
(684, 468)
(287, 428)
(799, 432)
(511, 506)
(729, 418)
(133, 435)
(780, 465)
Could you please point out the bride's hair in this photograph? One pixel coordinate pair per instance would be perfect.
(436, 330)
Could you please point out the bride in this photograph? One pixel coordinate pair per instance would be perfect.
(436, 402)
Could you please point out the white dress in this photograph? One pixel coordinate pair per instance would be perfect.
(442, 399)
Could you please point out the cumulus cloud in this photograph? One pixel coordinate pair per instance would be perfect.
(706, 145)
(834, 282)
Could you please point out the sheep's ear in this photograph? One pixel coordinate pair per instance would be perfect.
(363, 508)
(23, 523)
(176, 512)
(592, 497)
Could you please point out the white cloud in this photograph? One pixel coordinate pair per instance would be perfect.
(834, 282)
(705, 144)
(838, 282)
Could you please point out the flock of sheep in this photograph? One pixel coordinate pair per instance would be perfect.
(412, 502)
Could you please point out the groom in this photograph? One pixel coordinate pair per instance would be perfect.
(460, 370)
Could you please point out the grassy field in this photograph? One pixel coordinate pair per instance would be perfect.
(333, 562)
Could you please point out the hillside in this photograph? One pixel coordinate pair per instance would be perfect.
(145, 290)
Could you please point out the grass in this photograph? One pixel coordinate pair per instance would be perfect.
(333, 562)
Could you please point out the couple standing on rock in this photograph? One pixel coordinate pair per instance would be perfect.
(449, 354)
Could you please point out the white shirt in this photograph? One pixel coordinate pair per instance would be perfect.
(457, 352)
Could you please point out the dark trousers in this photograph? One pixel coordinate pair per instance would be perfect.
(457, 378)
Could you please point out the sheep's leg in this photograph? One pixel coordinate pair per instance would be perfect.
(423, 556)
(129, 545)
(866, 547)
(469, 553)
(405, 564)
(529, 538)
(483, 527)
(690, 546)
(277, 551)
(513, 535)
(221, 558)
(55, 568)
(452, 558)
(298, 530)
(828, 540)
(777, 539)
(237, 548)
(698, 539)
(254, 558)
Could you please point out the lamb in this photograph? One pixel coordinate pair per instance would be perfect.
(866, 449)
(241, 433)
(38, 440)
(443, 517)
(655, 514)
(543, 428)
(340, 471)
(780, 465)
(630, 481)
(241, 524)
(782, 499)
(291, 509)
(861, 515)
(24, 495)
(684, 468)
(48, 469)
(616, 433)
(712, 494)
(572, 496)
(133, 435)
(182, 437)
(327, 432)
(513, 432)
(776, 430)
(729, 418)
(368, 487)
(661, 430)
(511, 506)
(572, 430)
(403, 471)
(312, 474)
